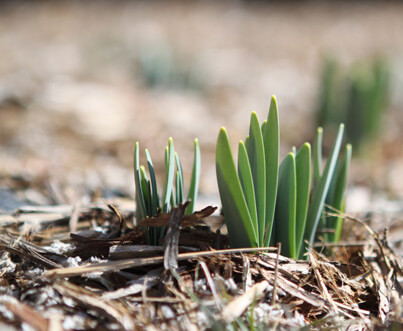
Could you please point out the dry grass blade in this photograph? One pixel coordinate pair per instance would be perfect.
(210, 281)
(140, 262)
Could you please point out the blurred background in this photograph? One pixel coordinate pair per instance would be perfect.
(82, 81)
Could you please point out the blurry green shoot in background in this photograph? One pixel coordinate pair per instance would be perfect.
(148, 202)
(265, 203)
(161, 67)
(357, 97)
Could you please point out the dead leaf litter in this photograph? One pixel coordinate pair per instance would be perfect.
(105, 276)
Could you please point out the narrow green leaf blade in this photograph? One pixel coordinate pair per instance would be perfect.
(146, 188)
(179, 181)
(245, 177)
(172, 200)
(140, 203)
(240, 227)
(286, 206)
(337, 194)
(303, 172)
(154, 189)
(320, 192)
(257, 164)
(271, 138)
(317, 157)
(247, 143)
(194, 182)
(169, 174)
(177, 190)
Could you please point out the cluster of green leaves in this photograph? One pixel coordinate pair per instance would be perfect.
(148, 199)
(330, 227)
(264, 203)
(357, 97)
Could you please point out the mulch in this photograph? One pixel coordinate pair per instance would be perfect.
(89, 267)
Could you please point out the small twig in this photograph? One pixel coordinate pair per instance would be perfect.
(341, 244)
(157, 299)
(211, 284)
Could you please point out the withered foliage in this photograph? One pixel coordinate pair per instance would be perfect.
(103, 276)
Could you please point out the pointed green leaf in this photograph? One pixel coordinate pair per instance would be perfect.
(245, 177)
(140, 203)
(178, 191)
(317, 157)
(240, 227)
(146, 189)
(286, 206)
(320, 192)
(257, 164)
(172, 203)
(271, 138)
(179, 181)
(169, 174)
(337, 193)
(194, 182)
(154, 190)
(303, 172)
